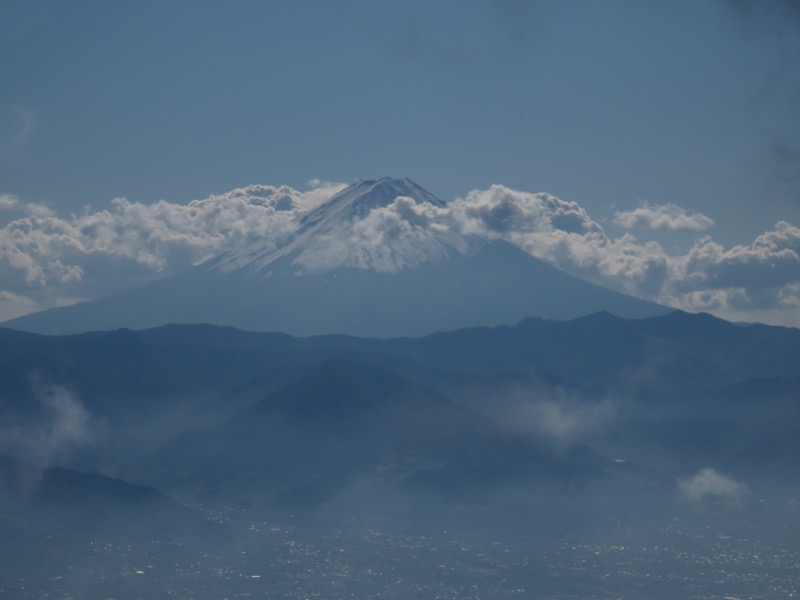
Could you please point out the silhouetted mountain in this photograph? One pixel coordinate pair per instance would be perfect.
(675, 350)
(146, 387)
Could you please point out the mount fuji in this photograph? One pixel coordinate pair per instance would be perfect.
(371, 261)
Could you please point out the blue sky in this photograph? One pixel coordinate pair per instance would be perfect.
(609, 104)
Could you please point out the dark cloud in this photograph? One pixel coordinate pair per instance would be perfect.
(767, 9)
(777, 22)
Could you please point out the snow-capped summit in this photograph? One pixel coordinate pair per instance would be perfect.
(357, 200)
(380, 258)
(385, 225)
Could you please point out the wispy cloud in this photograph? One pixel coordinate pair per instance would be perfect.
(319, 192)
(8, 202)
(18, 124)
(63, 427)
(15, 305)
(11, 203)
(707, 484)
(568, 422)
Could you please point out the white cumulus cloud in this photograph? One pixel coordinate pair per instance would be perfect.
(48, 260)
(400, 235)
(662, 216)
(761, 278)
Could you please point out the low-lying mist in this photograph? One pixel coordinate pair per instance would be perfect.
(332, 466)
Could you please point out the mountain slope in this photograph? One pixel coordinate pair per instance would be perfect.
(217, 413)
(500, 285)
(79, 502)
(344, 429)
(359, 264)
(345, 232)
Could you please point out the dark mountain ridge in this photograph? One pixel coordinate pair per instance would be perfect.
(146, 387)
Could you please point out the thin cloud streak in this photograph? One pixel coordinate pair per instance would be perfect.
(65, 426)
(20, 124)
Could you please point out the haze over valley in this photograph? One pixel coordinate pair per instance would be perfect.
(460, 299)
(205, 459)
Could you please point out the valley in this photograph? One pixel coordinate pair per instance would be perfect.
(212, 462)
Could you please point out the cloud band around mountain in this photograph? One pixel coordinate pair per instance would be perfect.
(48, 260)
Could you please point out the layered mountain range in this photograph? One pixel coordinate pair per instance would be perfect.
(187, 447)
(360, 264)
(195, 409)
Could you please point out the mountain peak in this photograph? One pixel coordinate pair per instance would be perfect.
(357, 200)
(344, 232)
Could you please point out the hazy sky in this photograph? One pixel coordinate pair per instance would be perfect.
(680, 110)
